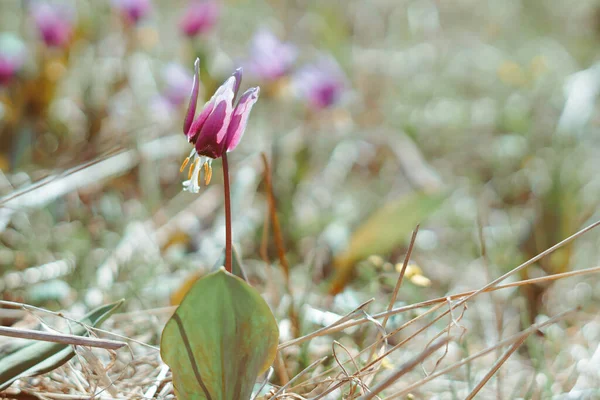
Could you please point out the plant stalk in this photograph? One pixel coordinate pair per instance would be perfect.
(228, 238)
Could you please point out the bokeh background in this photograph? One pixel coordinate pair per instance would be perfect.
(476, 119)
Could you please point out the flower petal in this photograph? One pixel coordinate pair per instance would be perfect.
(217, 125)
(239, 119)
(189, 116)
(223, 93)
(238, 81)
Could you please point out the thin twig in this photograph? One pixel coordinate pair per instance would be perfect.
(497, 365)
(342, 326)
(404, 368)
(398, 284)
(401, 276)
(295, 378)
(275, 220)
(498, 310)
(325, 330)
(60, 338)
(512, 339)
(529, 262)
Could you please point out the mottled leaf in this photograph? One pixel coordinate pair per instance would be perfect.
(222, 336)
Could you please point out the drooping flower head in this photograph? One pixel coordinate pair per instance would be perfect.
(270, 59)
(218, 128)
(12, 56)
(199, 17)
(133, 10)
(321, 83)
(54, 22)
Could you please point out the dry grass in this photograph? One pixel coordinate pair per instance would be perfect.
(137, 371)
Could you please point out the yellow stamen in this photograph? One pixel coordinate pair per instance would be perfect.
(205, 169)
(192, 168)
(209, 175)
(199, 180)
(185, 162)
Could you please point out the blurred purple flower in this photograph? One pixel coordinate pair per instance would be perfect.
(12, 56)
(321, 83)
(218, 128)
(54, 23)
(270, 59)
(133, 10)
(200, 16)
(177, 83)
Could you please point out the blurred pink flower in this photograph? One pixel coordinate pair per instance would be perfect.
(177, 81)
(54, 23)
(270, 59)
(133, 10)
(321, 83)
(12, 56)
(218, 128)
(199, 17)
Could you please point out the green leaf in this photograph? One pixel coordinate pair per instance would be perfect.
(41, 357)
(222, 336)
(388, 227)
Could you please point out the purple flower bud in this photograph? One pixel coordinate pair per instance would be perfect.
(177, 82)
(54, 23)
(218, 128)
(12, 56)
(270, 59)
(321, 83)
(133, 10)
(199, 17)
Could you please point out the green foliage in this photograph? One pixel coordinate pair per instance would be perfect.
(42, 357)
(385, 229)
(222, 336)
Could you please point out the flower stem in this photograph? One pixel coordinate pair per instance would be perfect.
(227, 213)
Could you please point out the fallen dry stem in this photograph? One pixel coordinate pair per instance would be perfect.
(295, 378)
(404, 368)
(327, 329)
(61, 338)
(529, 262)
(338, 326)
(275, 220)
(398, 283)
(510, 340)
(401, 276)
(406, 324)
(497, 365)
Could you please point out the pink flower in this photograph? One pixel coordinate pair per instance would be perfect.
(218, 128)
(321, 83)
(199, 17)
(133, 10)
(54, 23)
(270, 59)
(12, 56)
